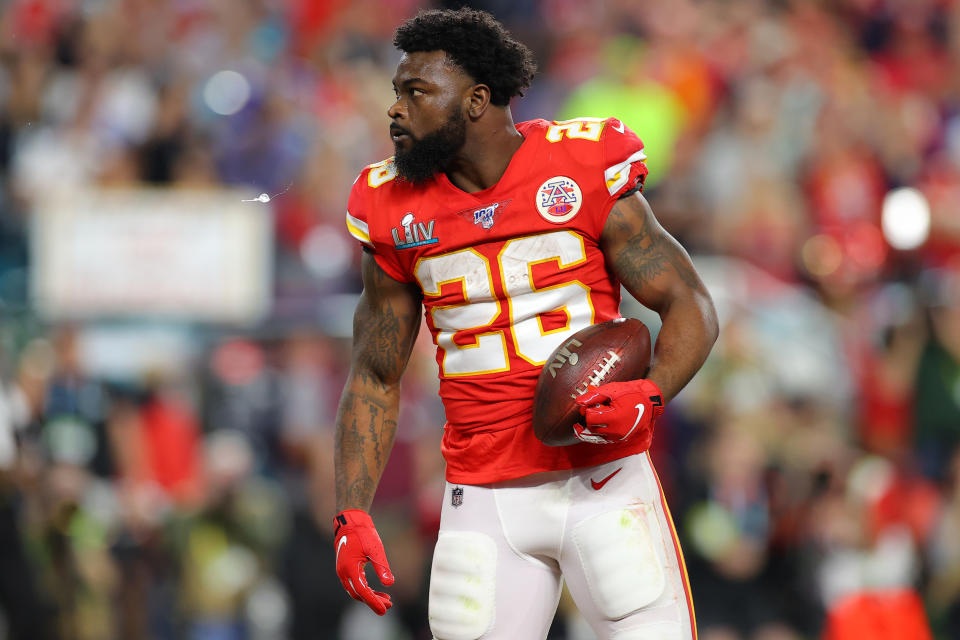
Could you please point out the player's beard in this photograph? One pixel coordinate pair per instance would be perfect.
(433, 152)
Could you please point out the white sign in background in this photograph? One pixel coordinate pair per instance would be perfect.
(194, 255)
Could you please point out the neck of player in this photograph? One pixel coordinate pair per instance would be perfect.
(491, 142)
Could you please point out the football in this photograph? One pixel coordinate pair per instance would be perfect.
(613, 351)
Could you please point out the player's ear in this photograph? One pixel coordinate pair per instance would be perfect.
(478, 100)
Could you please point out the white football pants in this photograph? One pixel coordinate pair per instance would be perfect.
(505, 548)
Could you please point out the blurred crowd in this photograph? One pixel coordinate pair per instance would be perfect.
(813, 466)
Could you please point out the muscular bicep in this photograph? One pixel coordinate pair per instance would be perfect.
(649, 262)
(385, 324)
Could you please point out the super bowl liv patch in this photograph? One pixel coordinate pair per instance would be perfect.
(412, 234)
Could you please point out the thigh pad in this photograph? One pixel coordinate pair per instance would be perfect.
(618, 553)
(462, 585)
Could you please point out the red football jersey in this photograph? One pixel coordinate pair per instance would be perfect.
(507, 274)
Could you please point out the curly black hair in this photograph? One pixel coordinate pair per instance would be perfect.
(477, 43)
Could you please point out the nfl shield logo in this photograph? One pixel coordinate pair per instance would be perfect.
(456, 496)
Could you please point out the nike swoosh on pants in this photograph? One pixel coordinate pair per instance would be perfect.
(599, 485)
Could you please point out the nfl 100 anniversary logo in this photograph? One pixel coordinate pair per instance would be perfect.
(484, 216)
(456, 496)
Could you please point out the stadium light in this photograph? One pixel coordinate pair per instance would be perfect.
(906, 218)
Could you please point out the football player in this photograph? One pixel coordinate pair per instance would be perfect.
(510, 237)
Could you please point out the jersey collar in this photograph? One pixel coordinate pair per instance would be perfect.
(517, 169)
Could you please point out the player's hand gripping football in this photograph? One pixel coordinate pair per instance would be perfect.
(357, 543)
(619, 411)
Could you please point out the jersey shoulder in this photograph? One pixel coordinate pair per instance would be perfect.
(605, 145)
(375, 189)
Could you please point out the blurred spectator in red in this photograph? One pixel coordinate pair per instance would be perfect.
(883, 615)
(887, 347)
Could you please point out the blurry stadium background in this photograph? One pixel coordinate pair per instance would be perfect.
(173, 343)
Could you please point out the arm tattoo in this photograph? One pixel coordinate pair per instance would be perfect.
(363, 431)
(639, 262)
(385, 334)
(379, 340)
(648, 253)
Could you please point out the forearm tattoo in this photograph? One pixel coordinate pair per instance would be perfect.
(364, 422)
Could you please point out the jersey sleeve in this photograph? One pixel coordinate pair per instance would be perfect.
(624, 166)
(357, 211)
(362, 223)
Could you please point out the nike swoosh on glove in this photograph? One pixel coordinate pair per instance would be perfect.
(357, 543)
(619, 411)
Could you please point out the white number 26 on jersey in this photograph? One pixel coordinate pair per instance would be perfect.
(473, 273)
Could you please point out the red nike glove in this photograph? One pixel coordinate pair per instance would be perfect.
(619, 411)
(357, 543)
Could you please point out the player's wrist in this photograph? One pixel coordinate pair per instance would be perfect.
(644, 386)
(651, 388)
(651, 391)
(351, 517)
